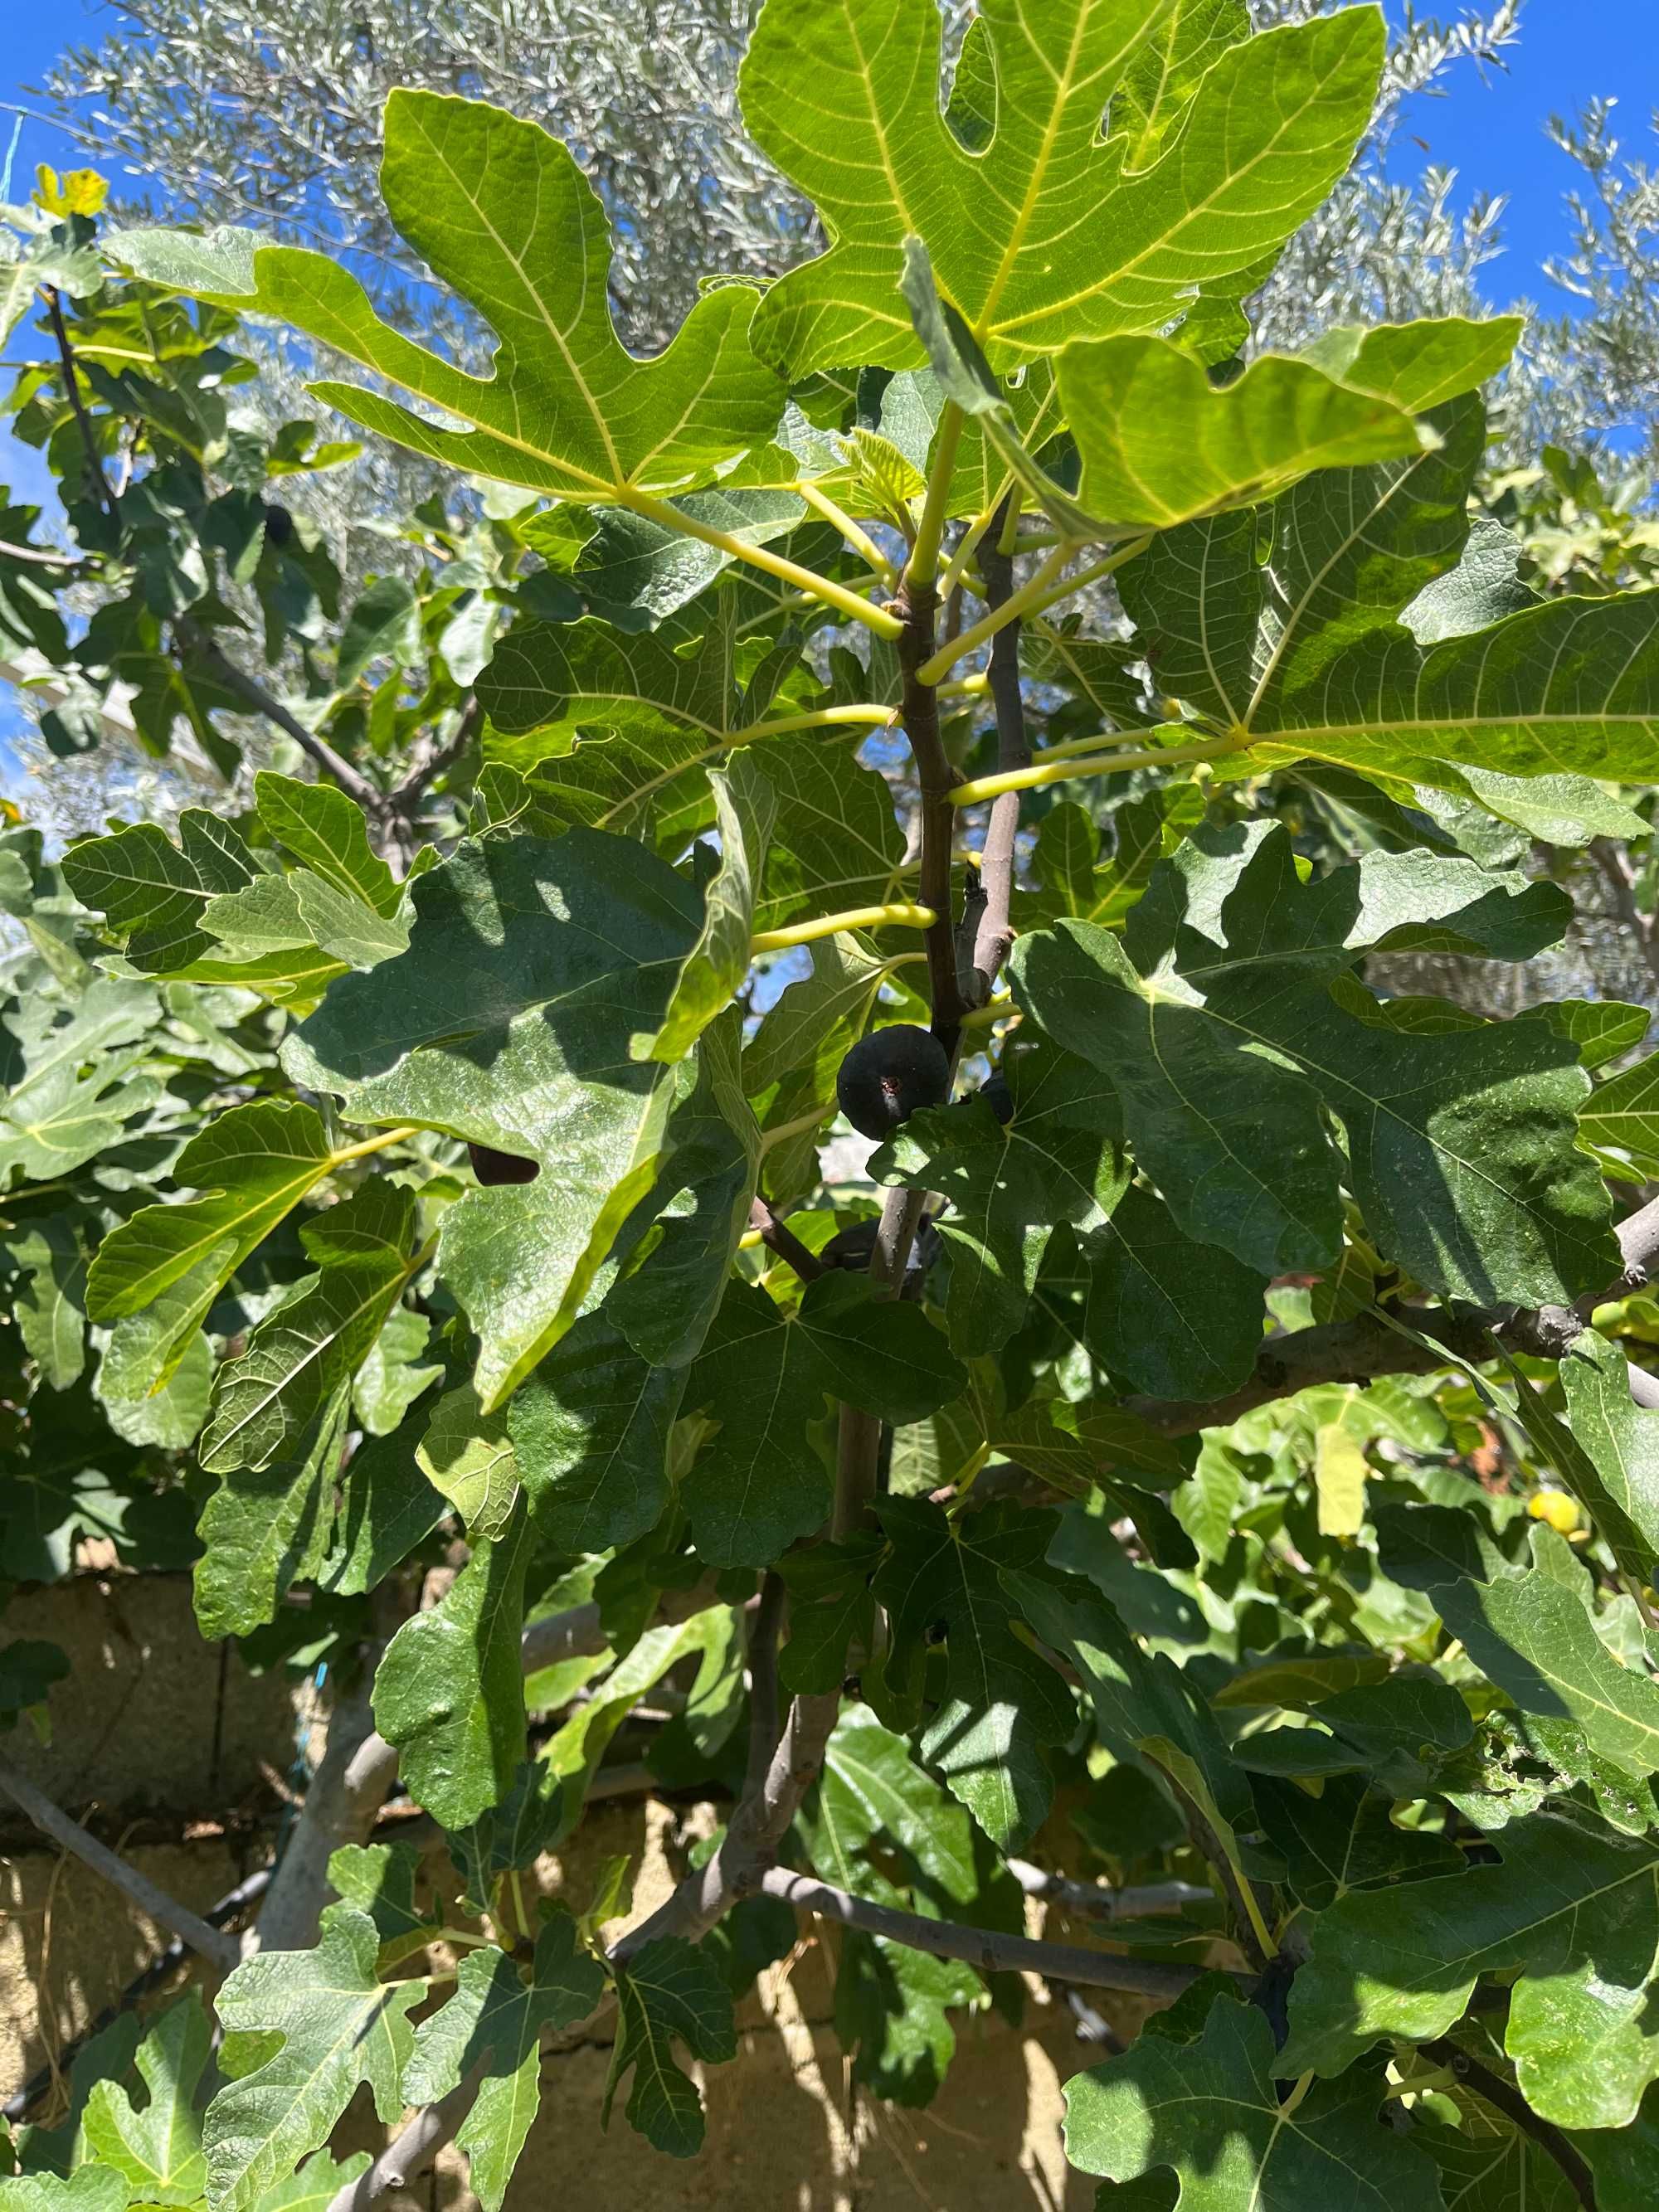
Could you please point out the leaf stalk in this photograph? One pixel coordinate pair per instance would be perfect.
(859, 539)
(833, 595)
(921, 570)
(1027, 600)
(380, 1144)
(898, 916)
(825, 718)
(1043, 590)
(1043, 770)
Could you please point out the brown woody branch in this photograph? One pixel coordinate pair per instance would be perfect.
(758, 1827)
(986, 1947)
(776, 1789)
(357, 1771)
(1639, 1247)
(764, 1728)
(917, 607)
(1364, 1349)
(858, 1435)
(419, 2143)
(989, 900)
(97, 483)
(435, 756)
(217, 663)
(1621, 879)
(357, 1768)
(363, 1779)
(414, 2148)
(769, 1803)
(778, 1237)
(1357, 1351)
(1093, 1900)
(219, 1949)
(150, 1977)
(737, 1870)
(1492, 2089)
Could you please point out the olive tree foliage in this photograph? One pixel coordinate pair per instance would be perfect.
(271, 113)
(1613, 269)
(839, 1150)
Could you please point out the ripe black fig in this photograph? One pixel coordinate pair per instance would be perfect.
(997, 1096)
(888, 1075)
(851, 1248)
(492, 1167)
(279, 524)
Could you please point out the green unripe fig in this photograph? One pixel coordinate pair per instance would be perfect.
(888, 1075)
(493, 1167)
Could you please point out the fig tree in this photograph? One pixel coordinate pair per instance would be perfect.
(888, 1075)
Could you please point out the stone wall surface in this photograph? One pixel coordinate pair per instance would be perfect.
(151, 1717)
(167, 1759)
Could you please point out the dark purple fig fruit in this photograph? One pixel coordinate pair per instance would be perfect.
(850, 1250)
(888, 1075)
(279, 524)
(999, 1098)
(492, 1167)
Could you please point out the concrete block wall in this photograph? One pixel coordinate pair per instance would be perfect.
(157, 1744)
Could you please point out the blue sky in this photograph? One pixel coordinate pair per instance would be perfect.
(1492, 130)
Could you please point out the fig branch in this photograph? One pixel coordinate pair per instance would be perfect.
(97, 481)
(989, 900)
(780, 1769)
(918, 603)
(986, 1948)
(218, 1948)
(256, 700)
(753, 1835)
(779, 1238)
(359, 1767)
(881, 1092)
(1362, 1349)
(765, 1725)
